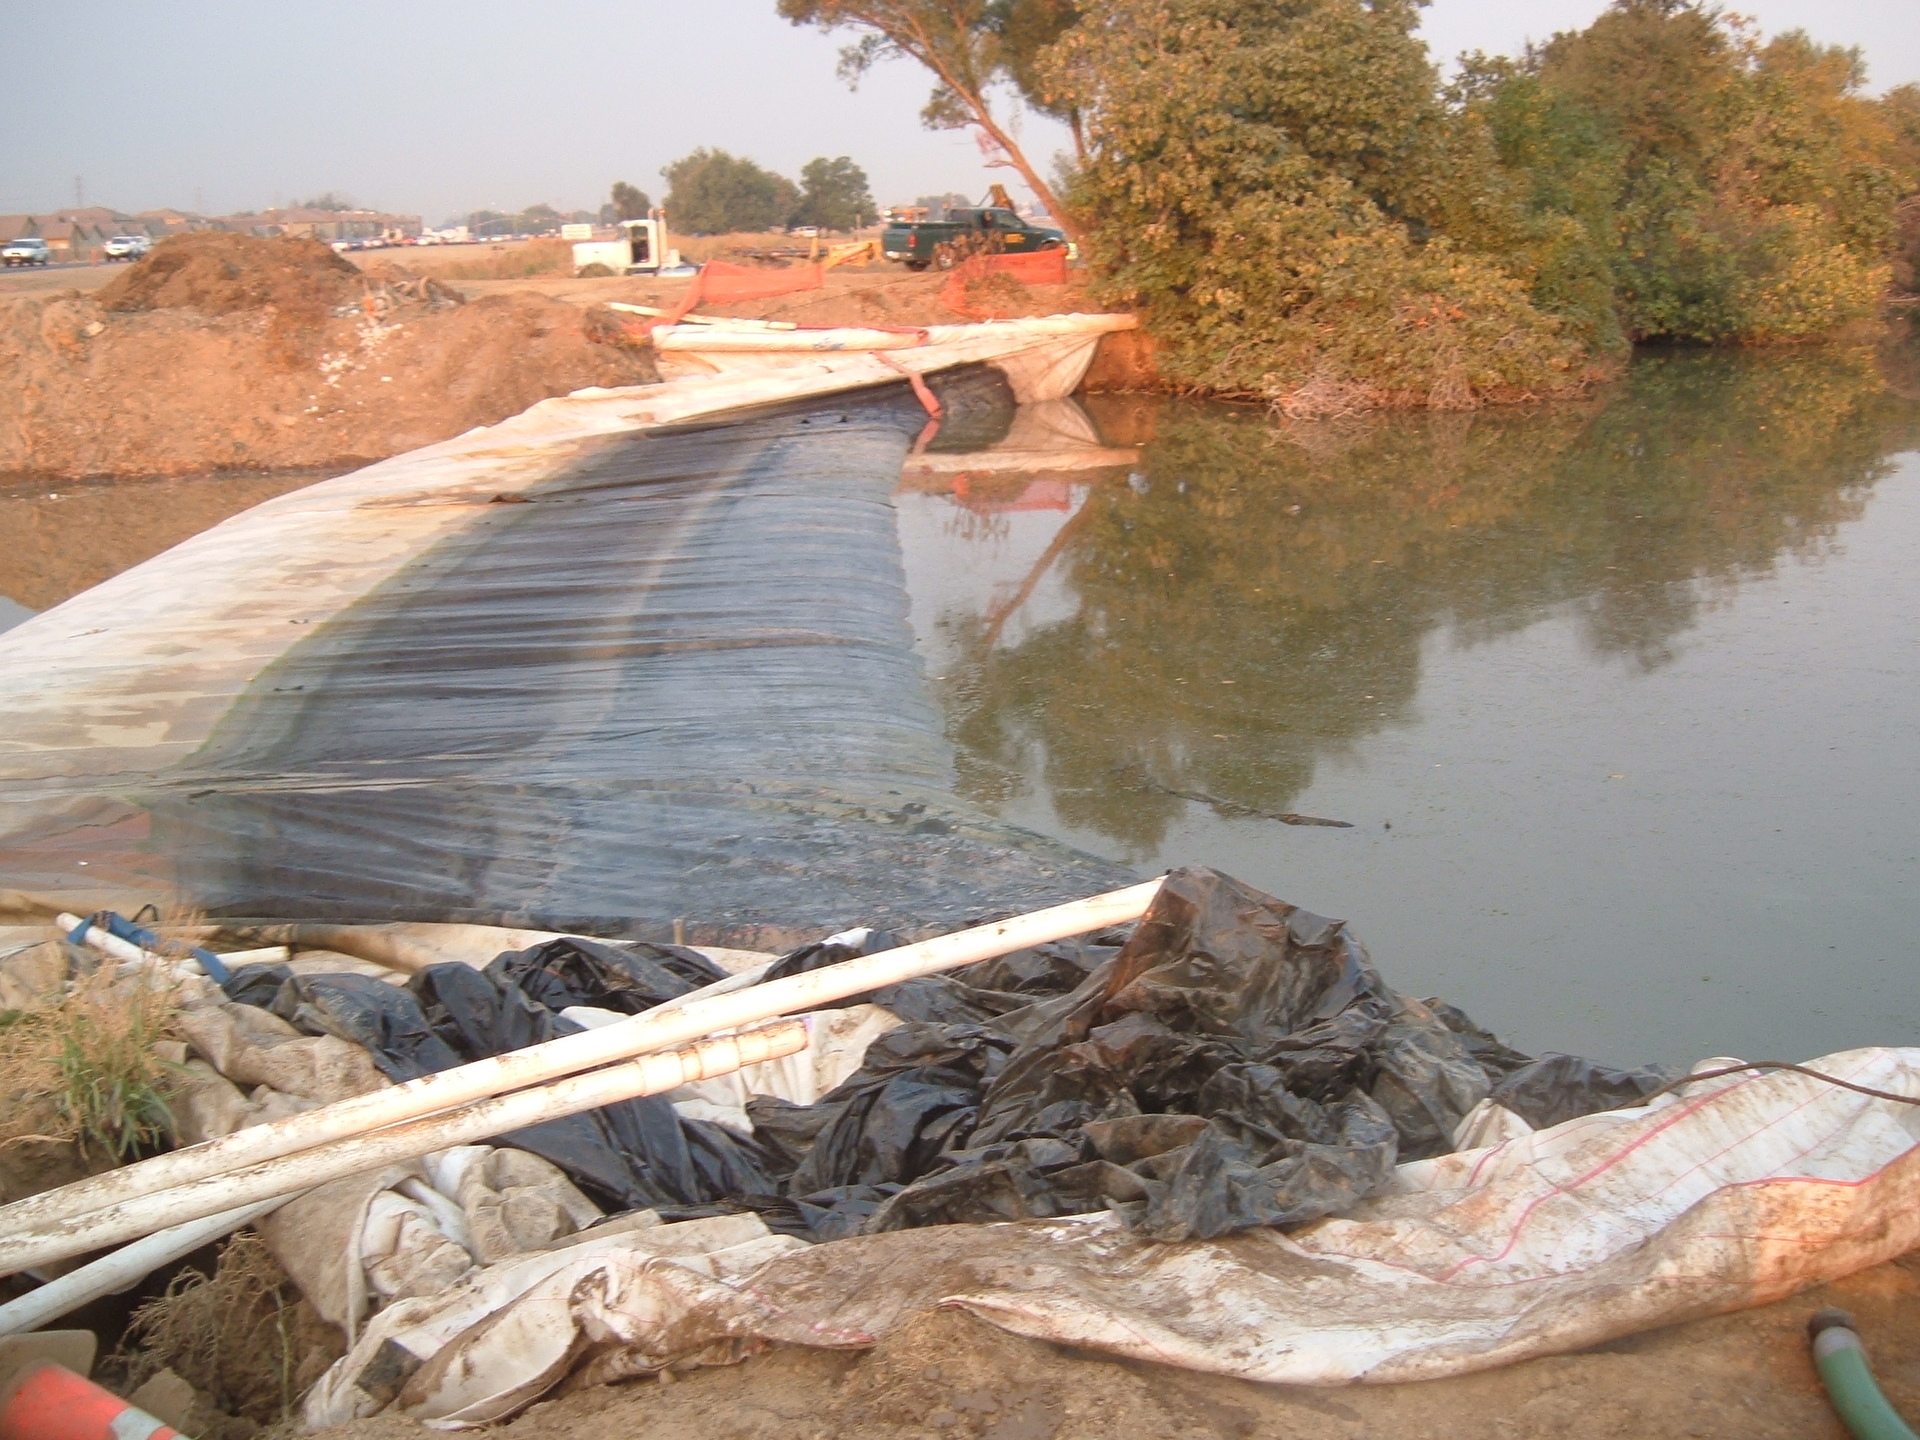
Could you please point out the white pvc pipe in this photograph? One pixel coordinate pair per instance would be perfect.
(654, 1030)
(131, 957)
(288, 1175)
(98, 938)
(111, 1274)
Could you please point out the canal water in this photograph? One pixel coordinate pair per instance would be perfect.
(1621, 701)
(1614, 702)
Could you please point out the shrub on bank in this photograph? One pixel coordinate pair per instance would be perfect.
(1301, 212)
(1249, 174)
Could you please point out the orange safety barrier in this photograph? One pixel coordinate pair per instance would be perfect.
(50, 1402)
(1039, 267)
(719, 283)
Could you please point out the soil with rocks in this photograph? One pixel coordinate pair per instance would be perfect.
(225, 352)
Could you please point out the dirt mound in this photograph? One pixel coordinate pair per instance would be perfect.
(175, 392)
(218, 274)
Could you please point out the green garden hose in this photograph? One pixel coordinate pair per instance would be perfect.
(1842, 1362)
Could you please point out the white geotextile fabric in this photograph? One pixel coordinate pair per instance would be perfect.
(1727, 1194)
(1044, 357)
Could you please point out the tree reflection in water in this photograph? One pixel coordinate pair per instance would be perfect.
(1254, 601)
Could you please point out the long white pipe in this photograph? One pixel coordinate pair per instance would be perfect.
(654, 1030)
(126, 1266)
(288, 1175)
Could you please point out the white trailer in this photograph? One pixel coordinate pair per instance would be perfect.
(641, 248)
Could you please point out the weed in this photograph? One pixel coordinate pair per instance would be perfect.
(236, 1336)
(84, 1068)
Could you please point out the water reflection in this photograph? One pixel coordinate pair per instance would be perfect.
(1618, 696)
(59, 537)
(1253, 601)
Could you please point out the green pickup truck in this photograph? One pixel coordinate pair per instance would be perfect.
(963, 233)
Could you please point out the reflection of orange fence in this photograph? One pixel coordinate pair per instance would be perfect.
(1042, 267)
(1035, 495)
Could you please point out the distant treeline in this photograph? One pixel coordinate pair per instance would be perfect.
(1307, 213)
(713, 193)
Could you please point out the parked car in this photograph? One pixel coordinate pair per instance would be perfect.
(127, 247)
(946, 242)
(27, 250)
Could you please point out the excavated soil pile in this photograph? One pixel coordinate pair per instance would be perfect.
(945, 1374)
(230, 352)
(217, 274)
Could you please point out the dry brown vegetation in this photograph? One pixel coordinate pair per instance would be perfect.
(501, 262)
(83, 1071)
(243, 1337)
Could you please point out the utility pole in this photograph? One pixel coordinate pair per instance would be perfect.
(79, 193)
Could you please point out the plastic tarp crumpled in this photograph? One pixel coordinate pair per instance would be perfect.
(637, 1153)
(1237, 1062)
(1725, 1194)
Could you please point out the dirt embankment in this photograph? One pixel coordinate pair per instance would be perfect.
(945, 1374)
(225, 351)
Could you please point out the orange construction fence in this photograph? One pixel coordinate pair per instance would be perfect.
(719, 283)
(1041, 267)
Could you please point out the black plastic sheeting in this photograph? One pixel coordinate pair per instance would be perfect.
(1232, 1062)
(676, 679)
(636, 1154)
(1236, 1062)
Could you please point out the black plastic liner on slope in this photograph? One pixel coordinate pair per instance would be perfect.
(635, 1154)
(679, 680)
(1237, 1062)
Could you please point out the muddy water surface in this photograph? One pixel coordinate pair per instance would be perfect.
(58, 537)
(1619, 700)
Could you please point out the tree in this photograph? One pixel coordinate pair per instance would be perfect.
(712, 193)
(327, 200)
(960, 41)
(1260, 179)
(1025, 29)
(629, 202)
(834, 195)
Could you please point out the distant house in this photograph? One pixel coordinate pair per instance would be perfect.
(12, 227)
(162, 223)
(67, 240)
(328, 225)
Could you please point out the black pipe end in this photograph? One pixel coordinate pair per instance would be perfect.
(1829, 1319)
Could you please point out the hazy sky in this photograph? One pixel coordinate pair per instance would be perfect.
(437, 107)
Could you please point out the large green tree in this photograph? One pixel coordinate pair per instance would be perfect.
(834, 195)
(713, 193)
(1731, 190)
(1262, 178)
(964, 43)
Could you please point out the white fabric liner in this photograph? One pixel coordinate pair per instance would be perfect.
(1043, 357)
(1727, 1194)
